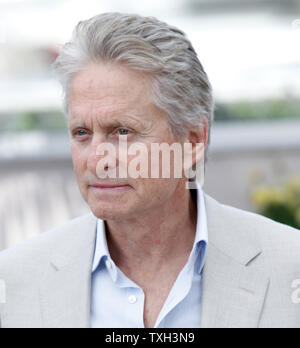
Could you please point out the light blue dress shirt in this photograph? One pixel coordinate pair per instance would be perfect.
(117, 302)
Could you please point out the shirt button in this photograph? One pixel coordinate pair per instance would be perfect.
(108, 264)
(132, 299)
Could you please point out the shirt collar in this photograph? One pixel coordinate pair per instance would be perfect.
(101, 247)
(201, 238)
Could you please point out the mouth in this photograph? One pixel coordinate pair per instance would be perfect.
(109, 188)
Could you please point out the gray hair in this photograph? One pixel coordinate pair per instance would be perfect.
(181, 87)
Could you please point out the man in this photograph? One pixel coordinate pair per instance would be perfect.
(152, 253)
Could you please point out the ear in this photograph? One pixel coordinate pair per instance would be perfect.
(198, 138)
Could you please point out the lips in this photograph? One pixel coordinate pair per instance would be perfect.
(107, 186)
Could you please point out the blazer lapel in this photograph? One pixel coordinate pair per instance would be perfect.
(233, 290)
(65, 287)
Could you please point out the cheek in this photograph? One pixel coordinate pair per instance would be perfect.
(79, 160)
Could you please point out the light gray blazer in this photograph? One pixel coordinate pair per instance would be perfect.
(249, 280)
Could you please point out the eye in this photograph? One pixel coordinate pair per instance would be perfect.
(80, 134)
(123, 131)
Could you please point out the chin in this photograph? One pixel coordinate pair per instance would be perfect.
(108, 211)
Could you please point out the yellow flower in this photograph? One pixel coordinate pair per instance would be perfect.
(267, 195)
(294, 183)
(287, 195)
(292, 191)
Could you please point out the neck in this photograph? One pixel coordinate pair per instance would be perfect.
(157, 237)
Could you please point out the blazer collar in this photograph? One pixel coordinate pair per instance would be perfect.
(230, 236)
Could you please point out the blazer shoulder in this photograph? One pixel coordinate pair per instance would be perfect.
(269, 232)
(38, 248)
(239, 230)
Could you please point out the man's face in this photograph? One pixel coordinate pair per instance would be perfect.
(109, 103)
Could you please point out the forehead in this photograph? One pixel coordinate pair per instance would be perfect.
(105, 87)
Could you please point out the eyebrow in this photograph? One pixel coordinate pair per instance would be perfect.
(130, 120)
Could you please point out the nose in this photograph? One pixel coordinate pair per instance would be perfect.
(102, 159)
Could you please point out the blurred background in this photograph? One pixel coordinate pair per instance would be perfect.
(250, 50)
